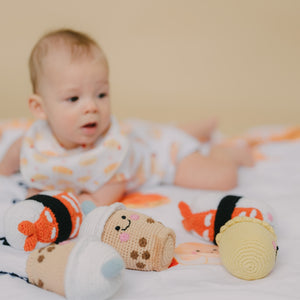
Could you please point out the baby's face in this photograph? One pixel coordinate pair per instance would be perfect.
(75, 97)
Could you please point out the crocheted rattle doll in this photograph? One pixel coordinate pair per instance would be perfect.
(143, 243)
(242, 230)
(42, 219)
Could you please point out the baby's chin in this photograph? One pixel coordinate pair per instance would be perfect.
(87, 139)
(89, 142)
(71, 145)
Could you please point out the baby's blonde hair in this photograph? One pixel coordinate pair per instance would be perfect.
(77, 42)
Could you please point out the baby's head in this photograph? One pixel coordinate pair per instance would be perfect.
(69, 75)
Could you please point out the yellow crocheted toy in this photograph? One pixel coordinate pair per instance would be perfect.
(248, 247)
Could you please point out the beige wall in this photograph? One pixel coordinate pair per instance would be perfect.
(171, 59)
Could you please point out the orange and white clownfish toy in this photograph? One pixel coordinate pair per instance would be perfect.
(42, 219)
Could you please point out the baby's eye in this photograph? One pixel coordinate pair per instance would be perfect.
(102, 95)
(73, 99)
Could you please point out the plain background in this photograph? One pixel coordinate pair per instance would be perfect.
(171, 60)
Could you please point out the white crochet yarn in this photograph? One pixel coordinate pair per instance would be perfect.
(94, 270)
(93, 224)
(29, 210)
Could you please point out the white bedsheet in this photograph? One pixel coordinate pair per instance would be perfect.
(274, 180)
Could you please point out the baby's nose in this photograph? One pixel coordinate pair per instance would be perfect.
(90, 106)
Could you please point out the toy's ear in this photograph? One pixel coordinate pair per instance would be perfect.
(36, 106)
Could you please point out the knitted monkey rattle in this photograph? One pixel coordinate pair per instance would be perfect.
(143, 243)
(42, 219)
(242, 230)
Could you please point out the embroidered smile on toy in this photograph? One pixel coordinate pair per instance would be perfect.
(124, 236)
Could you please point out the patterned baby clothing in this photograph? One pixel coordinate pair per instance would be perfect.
(156, 151)
(138, 152)
(46, 165)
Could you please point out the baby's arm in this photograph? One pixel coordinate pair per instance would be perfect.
(216, 171)
(11, 161)
(106, 195)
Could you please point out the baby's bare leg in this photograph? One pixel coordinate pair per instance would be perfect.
(200, 130)
(212, 172)
(216, 171)
(241, 154)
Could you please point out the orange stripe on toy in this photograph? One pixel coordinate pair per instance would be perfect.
(202, 223)
(247, 212)
(73, 208)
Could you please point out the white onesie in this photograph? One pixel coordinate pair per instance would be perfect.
(138, 152)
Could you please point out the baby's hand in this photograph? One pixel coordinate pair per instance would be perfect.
(3, 169)
(32, 192)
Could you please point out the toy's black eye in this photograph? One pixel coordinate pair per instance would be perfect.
(123, 217)
(198, 250)
(117, 228)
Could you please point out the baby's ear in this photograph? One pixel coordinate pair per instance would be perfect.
(36, 106)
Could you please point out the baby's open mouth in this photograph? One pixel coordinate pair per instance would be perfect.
(90, 125)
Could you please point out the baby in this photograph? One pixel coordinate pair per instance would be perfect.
(76, 144)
